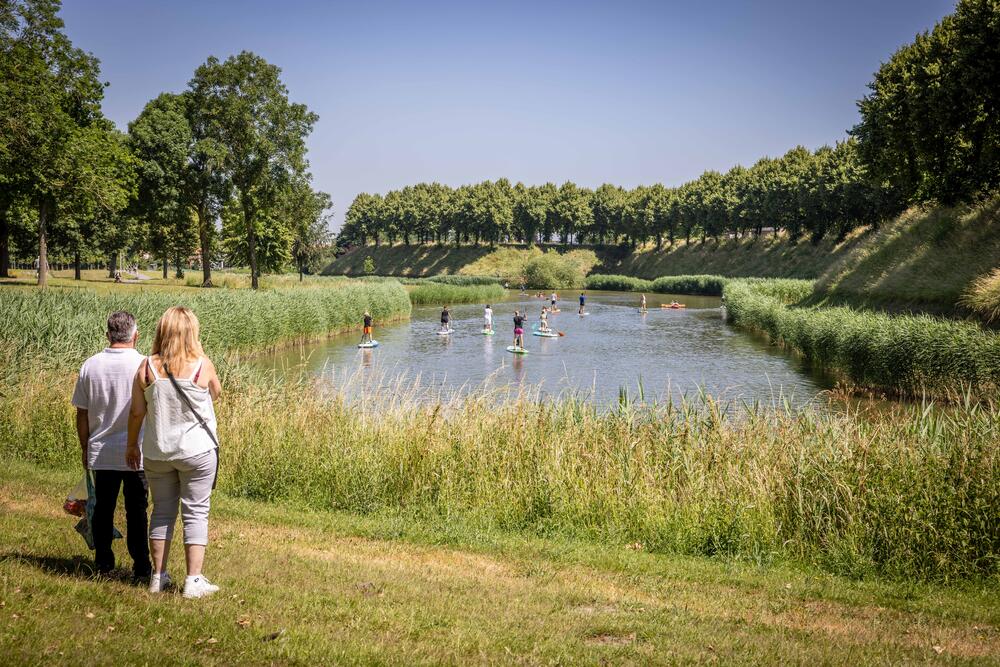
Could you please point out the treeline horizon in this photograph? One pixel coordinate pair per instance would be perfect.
(803, 193)
(929, 132)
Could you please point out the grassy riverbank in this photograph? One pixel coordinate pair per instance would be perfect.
(900, 495)
(911, 355)
(304, 587)
(59, 328)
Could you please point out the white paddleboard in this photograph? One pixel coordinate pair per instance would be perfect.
(445, 333)
(516, 350)
(545, 334)
(374, 343)
(486, 332)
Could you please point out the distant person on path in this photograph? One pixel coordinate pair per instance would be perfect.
(366, 335)
(102, 398)
(583, 301)
(487, 318)
(445, 319)
(518, 330)
(173, 391)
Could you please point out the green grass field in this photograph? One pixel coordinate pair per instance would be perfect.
(306, 587)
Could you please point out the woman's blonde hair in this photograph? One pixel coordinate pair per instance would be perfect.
(176, 339)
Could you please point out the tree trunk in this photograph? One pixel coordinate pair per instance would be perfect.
(251, 243)
(44, 209)
(165, 263)
(4, 245)
(76, 264)
(178, 267)
(112, 264)
(206, 248)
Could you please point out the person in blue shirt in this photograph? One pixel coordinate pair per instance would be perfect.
(583, 300)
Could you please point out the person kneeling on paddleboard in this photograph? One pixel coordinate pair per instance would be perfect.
(518, 330)
(366, 337)
(445, 318)
(487, 318)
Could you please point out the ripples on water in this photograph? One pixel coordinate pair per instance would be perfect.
(613, 353)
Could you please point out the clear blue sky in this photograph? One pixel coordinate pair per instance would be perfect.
(460, 92)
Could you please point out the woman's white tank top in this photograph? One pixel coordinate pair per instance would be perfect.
(172, 431)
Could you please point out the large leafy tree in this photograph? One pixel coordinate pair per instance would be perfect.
(49, 99)
(161, 139)
(308, 216)
(245, 107)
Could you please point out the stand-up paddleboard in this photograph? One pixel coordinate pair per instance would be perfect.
(545, 334)
(516, 350)
(584, 313)
(372, 344)
(488, 332)
(446, 332)
(643, 312)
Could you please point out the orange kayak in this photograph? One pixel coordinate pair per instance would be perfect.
(674, 306)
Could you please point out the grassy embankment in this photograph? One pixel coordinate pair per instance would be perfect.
(303, 587)
(930, 259)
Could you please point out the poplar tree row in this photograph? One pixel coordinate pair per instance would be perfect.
(802, 193)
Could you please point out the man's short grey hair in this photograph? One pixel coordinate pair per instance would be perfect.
(121, 327)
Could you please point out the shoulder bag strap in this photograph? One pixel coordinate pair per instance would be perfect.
(197, 415)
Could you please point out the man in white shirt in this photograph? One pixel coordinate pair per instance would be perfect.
(102, 397)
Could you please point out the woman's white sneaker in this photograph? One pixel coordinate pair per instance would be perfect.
(198, 587)
(158, 583)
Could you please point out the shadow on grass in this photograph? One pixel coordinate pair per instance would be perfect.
(75, 566)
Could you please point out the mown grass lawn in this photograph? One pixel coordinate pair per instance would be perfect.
(303, 587)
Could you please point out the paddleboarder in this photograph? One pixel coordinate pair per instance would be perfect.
(518, 330)
(366, 336)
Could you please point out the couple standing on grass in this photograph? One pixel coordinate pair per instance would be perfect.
(172, 392)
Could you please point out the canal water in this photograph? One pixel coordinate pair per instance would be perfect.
(615, 350)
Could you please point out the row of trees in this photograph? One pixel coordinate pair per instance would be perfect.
(231, 147)
(803, 193)
(931, 123)
(929, 131)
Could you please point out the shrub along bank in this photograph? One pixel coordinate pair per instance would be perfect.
(897, 354)
(705, 285)
(431, 292)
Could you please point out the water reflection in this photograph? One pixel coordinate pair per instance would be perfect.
(662, 354)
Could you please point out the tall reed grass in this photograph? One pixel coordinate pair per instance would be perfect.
(60, 328)
(613, 282)
(899, 494)
(706, 285)
(448, 279)
(896, 354)
(431, 292)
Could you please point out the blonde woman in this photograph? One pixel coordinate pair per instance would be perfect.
(173, 392)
